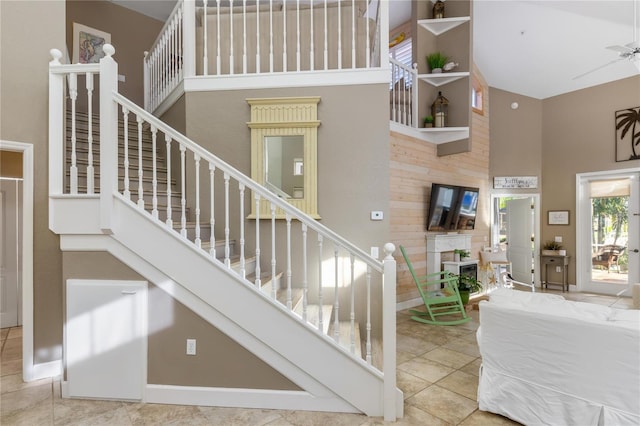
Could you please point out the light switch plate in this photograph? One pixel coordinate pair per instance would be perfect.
(377, 215)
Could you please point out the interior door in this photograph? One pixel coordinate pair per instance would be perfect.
(10, 252)
(520, 229)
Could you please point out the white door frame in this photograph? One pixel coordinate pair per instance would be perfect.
(29, 372)
(583, 219)
(536, 225)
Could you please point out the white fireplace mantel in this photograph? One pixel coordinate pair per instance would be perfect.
(439, 243)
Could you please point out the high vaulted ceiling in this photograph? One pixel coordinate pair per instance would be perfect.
(535, 48)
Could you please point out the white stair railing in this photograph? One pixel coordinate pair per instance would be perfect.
(343, 266)
(245, 37)
(403, 92)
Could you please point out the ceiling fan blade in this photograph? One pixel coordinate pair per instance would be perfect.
(598, 68)
(633, 45)
(621, 49)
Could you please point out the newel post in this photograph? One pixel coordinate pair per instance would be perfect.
(56, 125)
(108, 137)
(391, 410)
(146, 84)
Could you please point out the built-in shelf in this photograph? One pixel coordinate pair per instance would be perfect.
(434, 135)
(439, 26)
(440, 79)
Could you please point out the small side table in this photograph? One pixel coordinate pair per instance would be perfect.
(563, 262)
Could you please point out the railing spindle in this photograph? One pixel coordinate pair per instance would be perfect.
(320, 320)
(244, 35)
(227, 231)
(73, 169)
(289, 301)
(205, 39)
(368, 345)
(154, 178)
(284, 35)
(339, 35)
(231, 60)
(169, 220)
(353, 34)
(197, 241)
(183, 200)
(352, 313)
(326, 38)
(336, 302)
(243, 272)
(218, 58)
(305, 279)
(212, 215)
(258, 38)
(258, 281)
(311, 41)
(273, 251)
(367, 44)
(90, 171)
(270, 35)
(140, 171)
(125, 119)
(298, 35)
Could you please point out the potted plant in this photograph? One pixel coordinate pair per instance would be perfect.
(551, 248)
(467, 285)
(436, 61)
(460, 254)
(428, 121)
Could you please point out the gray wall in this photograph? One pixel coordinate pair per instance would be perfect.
(28, 30)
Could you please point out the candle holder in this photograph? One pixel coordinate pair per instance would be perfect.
(438, 10)
(440, 111)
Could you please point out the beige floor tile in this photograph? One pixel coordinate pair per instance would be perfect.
(413, 345)
(426, 369)
(11, 367)
(410, 384)
(13, 382)
(238, 416)
(118, 416)
(162, 414)
(413, 416)
(448, 357)
(463, 345)
(27, 406)
(473, 367)
(4, 332)
(87, 411)
(12, 349)
(314, 418)
(443, 404)
(484, 418)
(15, 333)
(461, 383)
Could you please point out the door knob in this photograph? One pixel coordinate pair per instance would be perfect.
(635, 250)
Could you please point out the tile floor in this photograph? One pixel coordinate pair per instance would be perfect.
(437, 371)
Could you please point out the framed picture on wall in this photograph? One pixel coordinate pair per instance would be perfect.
(88, 44)
(628, 134)
(558, 217)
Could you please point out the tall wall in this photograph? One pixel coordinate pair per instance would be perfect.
(28, 30)
(414, 166)
(131, 34)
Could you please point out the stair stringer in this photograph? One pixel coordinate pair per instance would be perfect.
(247, 315)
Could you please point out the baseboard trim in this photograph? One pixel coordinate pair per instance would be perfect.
(244, 398)
(400, 306)
(43, 371)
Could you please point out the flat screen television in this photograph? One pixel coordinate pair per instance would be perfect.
(452, 208)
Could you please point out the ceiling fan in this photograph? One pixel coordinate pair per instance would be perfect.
(630, 51)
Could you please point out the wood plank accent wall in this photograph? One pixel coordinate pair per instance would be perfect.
(414, 166)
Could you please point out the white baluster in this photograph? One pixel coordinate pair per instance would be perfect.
(352, 314)
(311, 41)
(205, 38)
(336, 302)
(353, 34)
(273, 251)
(73, 170)
(289, 301)
(227, 260)
(326, 38)
(284, 35)
(320, 322)
(169, 220)
(298, 35)
(125, 118)
(212, 214)
(368, 315)
(198, 241)
(140, 172)
(218, 59)
(367, 44)
(154, 177)
(244, 35)
(339, 35)
(231, 61)
(146, 81)
(270, 35)
(305, 279)
(183, 200)
(242, 265)
(90, 172)
(180, 47)
(258, 38)
(258, 281)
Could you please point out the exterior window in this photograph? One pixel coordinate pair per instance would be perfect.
(476, 98)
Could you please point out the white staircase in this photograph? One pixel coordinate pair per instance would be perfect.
(176, 248)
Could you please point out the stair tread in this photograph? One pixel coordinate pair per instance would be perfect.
(344, 338)
(313, 315)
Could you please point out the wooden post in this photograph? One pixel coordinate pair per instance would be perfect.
(108, 137)
(389, 333)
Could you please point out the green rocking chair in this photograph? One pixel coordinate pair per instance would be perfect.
(441, 297)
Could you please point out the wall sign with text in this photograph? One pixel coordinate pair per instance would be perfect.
(515, 182)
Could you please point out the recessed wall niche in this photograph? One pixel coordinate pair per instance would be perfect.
(284, 145)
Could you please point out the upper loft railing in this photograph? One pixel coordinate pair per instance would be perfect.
(315, 259)
(250, 38)
(403, 100)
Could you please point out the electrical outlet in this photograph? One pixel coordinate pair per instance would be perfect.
(191, 346)
(377, 215)
(375, 252)
(558, 268)
(558, 239)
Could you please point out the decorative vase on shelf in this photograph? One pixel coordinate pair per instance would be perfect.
(436, 71)
(438, 10)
